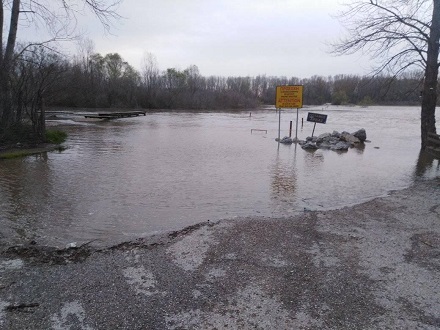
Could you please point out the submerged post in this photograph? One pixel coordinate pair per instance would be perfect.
(313, 129)
(279, 125)
(296, 132)
(290, 129)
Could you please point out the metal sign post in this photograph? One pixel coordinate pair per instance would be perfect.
(316, 118)
(313, 132)
(279, 125)
(296, 132)
(289, 96)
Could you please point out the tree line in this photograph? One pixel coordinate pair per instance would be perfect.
(92, 80)
(42, 78)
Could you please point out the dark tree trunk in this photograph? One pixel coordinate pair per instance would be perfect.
(6, 110)
(41, 127)
(429, 98)
(2, 13)
(5, 100)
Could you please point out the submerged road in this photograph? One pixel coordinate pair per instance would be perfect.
(371, 266)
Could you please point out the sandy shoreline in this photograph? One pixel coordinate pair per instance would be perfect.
(371, 266)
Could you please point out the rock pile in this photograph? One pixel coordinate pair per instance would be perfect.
(332, 141)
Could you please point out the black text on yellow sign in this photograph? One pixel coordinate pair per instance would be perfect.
(290, 96)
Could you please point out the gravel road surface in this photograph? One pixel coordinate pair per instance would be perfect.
(371, 266)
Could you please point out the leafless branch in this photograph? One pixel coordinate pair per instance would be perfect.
(394, 33)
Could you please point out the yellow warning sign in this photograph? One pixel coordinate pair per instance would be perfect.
(290, 96)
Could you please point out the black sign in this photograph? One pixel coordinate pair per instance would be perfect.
(316, 117)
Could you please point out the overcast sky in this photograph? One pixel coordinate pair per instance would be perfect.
(230, 37)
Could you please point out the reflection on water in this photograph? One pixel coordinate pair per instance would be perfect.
(284, 178)
(427, 165)
(137, 176)
(283, 183)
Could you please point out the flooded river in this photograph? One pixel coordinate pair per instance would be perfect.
(128, 178)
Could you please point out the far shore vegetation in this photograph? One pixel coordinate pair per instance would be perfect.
(93, 80)
(90, 80)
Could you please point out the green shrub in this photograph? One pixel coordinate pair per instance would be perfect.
(55, 136)
(366, 101)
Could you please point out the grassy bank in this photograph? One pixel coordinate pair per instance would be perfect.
(17, 145)
(17, 153)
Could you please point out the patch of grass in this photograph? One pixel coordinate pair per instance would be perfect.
(13, 154)
(20, 141)
(56, 136)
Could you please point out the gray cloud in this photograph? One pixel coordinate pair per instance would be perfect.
(230, 37)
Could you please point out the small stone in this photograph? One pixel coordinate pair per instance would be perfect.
(72, 245)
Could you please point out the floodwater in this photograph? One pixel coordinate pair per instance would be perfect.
(134, 177)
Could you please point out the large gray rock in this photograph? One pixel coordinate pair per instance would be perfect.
(323, 137)
(285, 140)
(361, 134)
(324, 145)
(329, 139)
(336, 134)
(327, 142)
(312, 138)
(340, 146)
(350, 138)
(309, 145)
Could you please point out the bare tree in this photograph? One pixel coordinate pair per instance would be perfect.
(399, 35)
(150, 78)
(58, 17)
(35, 76)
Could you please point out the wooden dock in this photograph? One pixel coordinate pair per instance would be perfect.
(116, 115)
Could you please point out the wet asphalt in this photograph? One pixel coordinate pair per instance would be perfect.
(371, 266)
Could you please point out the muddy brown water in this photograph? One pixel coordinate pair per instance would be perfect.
(134, 177)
